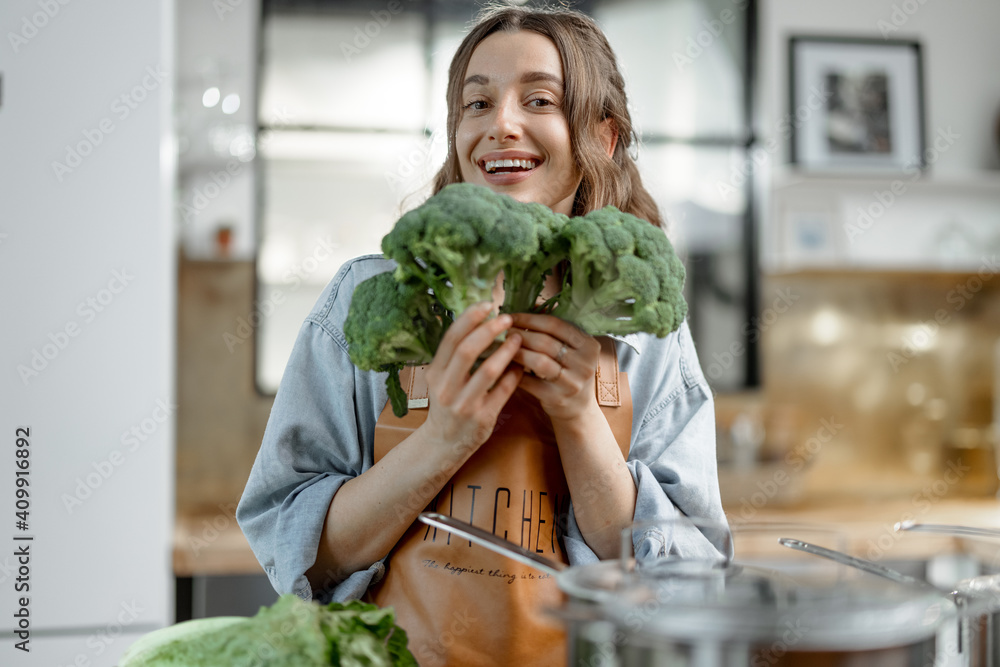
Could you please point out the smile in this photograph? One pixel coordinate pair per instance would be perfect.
(507, 166)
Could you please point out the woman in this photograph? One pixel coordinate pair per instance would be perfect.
(557, 441)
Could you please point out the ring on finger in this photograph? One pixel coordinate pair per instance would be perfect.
(562, 353)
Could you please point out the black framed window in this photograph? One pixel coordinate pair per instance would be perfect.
(351, 122)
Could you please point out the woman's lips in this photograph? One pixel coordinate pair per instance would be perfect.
(507, 177)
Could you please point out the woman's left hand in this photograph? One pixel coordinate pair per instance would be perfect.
(562, 363)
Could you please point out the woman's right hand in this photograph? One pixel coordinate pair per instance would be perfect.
(463, 408)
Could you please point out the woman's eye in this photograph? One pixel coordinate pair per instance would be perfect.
(475, 105)
(541, 102)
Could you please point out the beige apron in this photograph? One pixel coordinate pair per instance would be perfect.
(464, 605)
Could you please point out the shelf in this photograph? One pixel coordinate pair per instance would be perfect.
(983, 181)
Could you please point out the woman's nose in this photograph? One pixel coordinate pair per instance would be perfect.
(506, 122)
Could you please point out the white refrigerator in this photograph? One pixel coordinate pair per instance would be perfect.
(87, 328)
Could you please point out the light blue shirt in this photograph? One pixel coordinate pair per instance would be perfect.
(322, 429)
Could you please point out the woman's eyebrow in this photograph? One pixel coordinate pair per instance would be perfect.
(477, 79)
(533, 77)
(527, 77)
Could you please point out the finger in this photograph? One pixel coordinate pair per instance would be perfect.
(541, 365)
(476, 345)
(503, 389)
(471, 341)
(556, 327)
(472, 317)
(493, 367)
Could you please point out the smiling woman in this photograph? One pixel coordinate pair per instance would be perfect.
(512, 111)
(521, 80)
(557, 440)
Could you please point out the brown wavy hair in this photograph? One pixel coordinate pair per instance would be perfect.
(594, 91)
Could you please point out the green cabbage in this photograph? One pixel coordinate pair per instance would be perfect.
(290, 632)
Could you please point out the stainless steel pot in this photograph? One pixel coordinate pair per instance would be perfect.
(726, 614)
(978, 599)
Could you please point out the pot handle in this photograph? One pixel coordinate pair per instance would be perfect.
(859, 563)
(492, 542)
(966, 531)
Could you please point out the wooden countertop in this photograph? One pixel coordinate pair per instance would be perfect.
(213, 544)
(869, 528)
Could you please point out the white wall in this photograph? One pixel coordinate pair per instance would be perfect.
(961, 53)
(962, 96)
(81, 376)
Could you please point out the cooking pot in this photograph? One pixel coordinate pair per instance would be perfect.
(706, 612)
(978, 599)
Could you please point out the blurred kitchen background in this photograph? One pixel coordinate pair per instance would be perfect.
(847, 319)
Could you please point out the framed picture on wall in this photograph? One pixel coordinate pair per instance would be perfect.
(856, 104)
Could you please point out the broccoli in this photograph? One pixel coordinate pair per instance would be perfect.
(524, 279)
(459, 241)
(623, 276)
(390, 325)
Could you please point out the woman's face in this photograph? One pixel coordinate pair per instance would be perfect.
(512, 109)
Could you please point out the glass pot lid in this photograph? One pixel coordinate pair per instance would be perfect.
(750, 604)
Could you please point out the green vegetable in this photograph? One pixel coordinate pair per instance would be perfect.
(291, 632)
(623, 276)
(390, 325)
(619, 275)
(459, 240)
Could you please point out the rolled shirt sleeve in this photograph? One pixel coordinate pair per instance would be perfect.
(319, 435)
(672, 455)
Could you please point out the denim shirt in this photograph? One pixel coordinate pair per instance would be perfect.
(322, 428)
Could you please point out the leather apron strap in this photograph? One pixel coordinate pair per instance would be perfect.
(464, 605)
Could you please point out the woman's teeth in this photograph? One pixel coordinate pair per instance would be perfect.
(492, 166)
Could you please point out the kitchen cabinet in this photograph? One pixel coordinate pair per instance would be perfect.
(905, 221)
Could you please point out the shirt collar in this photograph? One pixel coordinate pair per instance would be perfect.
(635, 341)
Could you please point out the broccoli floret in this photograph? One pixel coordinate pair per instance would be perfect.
(623, 276)
(459, 241)
(390, 325)
(524, 278)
